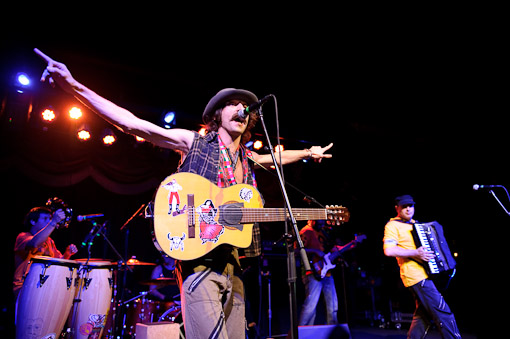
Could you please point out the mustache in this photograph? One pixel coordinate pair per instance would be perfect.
(236, 117)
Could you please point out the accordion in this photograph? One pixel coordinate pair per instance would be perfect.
(430, 236)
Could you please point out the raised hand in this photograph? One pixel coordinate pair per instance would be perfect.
(317, 152)
(58, 216)
(56, 73)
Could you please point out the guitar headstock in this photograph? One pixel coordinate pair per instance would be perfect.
(359, 238)
(337, 215)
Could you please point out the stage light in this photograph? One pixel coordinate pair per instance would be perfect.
(249, 144)
(83, 135)
(23, 79)
(75, 113)
(109, 137)
(48, 115)
(257, 144)
(279, 148)
(202, 131)
(139, 139)
(168, 119)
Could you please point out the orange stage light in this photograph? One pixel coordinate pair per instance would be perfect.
(48, 115)
(83, 135)
(109, 139)
(279, 148)
(258, 144)
(75, 113)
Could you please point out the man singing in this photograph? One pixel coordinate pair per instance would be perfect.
(212, 293)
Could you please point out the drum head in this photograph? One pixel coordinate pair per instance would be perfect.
(96, 263)
(54, 261)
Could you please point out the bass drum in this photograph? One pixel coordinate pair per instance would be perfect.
(147, 311)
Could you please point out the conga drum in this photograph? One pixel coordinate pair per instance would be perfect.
(46, 297)
(94, 294)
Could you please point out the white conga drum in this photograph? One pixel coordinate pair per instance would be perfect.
(46, 297)
(95, 294)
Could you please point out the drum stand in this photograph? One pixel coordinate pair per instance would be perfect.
(121, 262)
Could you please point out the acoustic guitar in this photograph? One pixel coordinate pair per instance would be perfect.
(193, 216)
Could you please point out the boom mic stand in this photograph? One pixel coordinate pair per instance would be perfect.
(499, 201)
(291, 260)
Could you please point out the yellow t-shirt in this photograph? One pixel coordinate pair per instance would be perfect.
(398, 233)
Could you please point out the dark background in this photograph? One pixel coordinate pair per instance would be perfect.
(410, 110)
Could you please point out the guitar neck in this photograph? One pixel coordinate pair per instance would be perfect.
(252, 215)
(336, 254)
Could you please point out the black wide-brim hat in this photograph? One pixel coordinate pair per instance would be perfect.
(225, 95)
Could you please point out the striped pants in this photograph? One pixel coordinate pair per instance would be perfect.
(213, 304)
(431, 306)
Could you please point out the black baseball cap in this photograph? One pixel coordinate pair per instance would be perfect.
(404, 200)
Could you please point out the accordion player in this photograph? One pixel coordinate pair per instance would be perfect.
(430, 236)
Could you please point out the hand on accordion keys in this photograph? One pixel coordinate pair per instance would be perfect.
(423, 254)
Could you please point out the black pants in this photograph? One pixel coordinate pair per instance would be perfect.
(431, 306)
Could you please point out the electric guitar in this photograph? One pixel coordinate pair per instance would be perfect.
(193, 216)
(322, 265)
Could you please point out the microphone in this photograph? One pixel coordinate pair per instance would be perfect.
(243, 113)
(89, 216)
(477, 187)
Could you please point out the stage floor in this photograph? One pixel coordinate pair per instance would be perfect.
(361, 332)
(379, 333)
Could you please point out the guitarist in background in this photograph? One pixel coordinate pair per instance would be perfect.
(314, 242)
(212, 293)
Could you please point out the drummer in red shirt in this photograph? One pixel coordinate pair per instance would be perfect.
(41, 222)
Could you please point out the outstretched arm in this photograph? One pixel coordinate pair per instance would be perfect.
(317, 153)
(57, 73)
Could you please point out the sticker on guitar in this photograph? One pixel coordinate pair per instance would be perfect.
(246, 194)
(176, 242)
(210, 230)
(174, 201)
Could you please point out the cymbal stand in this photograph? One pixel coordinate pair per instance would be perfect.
(121, 263)
(124, 276)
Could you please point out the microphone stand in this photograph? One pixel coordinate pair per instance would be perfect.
(499, 202)
(291, 260)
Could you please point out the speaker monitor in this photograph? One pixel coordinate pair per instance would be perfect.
(340, 331)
